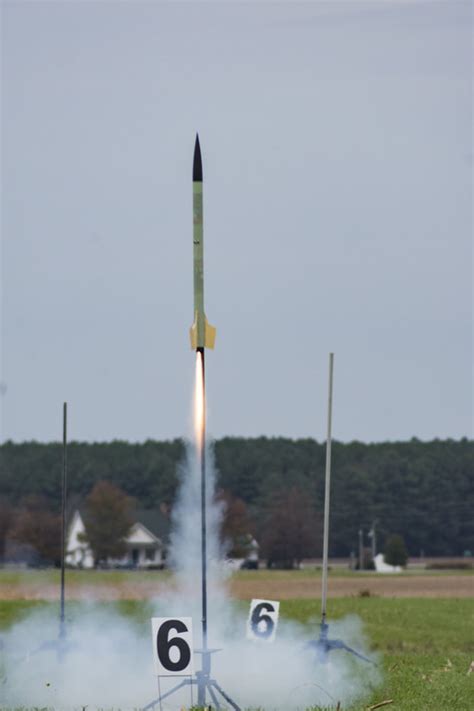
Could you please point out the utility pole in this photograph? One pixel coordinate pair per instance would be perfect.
(361, 549)
(374, 540)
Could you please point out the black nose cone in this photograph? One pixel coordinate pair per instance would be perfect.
(197, 162)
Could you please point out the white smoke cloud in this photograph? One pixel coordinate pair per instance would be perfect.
(109, 663)
(106, 662)
(283, 675)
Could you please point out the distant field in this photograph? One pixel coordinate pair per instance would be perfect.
(427, 645)
(282, 585)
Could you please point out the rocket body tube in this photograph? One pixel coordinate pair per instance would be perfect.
(202, 334)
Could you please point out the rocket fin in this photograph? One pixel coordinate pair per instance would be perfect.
(210, 336)
(193, 336)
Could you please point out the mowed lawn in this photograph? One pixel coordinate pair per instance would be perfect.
(427, 644)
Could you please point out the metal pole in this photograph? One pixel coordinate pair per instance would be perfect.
(203, 509)
(327, 488)
(202, 677)
(62, 628)
(327, 491)
(361, 549)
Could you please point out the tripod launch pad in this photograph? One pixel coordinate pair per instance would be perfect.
(323, 645)
(205, 684)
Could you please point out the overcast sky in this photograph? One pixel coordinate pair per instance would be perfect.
(337, 154)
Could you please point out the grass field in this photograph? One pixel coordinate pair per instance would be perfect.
(427, 644)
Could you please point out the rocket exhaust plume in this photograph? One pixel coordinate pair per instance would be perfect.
(200, 434)
(199, 413)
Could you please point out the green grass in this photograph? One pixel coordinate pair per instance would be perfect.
(426, 645)
(12, 611)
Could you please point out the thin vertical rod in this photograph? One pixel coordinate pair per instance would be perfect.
(374, 540)
(203, 507)
(327, 491)
(62, 629)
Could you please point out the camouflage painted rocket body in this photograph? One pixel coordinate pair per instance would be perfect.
(202, 334)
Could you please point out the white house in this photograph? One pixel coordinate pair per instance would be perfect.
(78, 554)
(382, 567)
(145, 546)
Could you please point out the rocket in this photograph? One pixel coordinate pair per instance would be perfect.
(202, 334)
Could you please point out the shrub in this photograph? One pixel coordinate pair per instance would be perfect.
(395, 550)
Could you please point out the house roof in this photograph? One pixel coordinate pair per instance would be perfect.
(155, 521)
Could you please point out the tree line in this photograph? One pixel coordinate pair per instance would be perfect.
(274, 488)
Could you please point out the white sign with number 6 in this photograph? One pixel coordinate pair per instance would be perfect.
(173, 645)
(263, 620)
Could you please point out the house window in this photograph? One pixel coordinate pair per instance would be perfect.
(150, 554)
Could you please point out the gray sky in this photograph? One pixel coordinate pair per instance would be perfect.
(337, 156)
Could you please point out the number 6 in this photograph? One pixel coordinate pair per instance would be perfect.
(172, 652)
(263, 620)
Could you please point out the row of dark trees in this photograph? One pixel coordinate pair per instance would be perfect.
(287, 530)
(275, 487)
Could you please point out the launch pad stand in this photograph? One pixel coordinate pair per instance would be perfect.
(205, 685)
(203, 679)
(323, 645)
(62, 620)
(61, 644)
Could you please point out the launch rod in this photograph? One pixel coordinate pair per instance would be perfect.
(62, 630)
(327, 489)
(203, 505)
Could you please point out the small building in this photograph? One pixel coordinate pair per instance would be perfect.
(382, 567)
(146, 542)
(78, 553)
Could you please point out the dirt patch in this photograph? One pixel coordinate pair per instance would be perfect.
(264, 587)
(383, 586)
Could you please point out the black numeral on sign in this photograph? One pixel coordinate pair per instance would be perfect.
(165, 643)
(262, 624)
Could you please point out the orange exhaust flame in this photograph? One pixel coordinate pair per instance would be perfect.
(199, 404)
